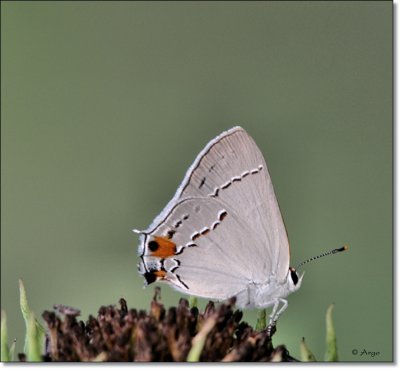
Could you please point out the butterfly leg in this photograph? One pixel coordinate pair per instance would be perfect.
(275, 314)
(282, 309)
(272, 321)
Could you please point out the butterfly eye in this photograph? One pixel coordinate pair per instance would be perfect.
(294, 276)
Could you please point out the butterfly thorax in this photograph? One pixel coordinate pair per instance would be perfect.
(263, 295)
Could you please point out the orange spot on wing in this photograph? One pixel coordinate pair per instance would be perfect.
(160, 273)
(165, 248)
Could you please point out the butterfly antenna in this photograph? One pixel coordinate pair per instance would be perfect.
(334, 251)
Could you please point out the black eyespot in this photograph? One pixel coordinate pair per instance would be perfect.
(294, 276)
(153, 246)
(150, 277)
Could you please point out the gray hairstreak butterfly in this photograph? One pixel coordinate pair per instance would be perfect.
(222, 234)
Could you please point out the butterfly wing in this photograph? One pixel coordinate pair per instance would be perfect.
(231, 172)
(204, 249)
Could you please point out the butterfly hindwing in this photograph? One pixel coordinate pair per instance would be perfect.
(208, 242)
(249, 243)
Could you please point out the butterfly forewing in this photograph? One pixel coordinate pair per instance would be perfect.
(230, 173)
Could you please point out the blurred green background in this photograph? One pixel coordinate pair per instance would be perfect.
(106, 104)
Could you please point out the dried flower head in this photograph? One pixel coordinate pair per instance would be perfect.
(174, 334)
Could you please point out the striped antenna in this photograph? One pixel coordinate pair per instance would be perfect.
(334, 251)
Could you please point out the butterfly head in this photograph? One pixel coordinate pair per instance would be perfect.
(294, 280)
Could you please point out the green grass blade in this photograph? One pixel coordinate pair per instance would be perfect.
(305, 354)
(261, 320)
(23, 302)
(25, 310)
(33, 341)
(200, 339)
(192, 302)
(4, 346)
(331, 346)
(27, 314)
(11, 351)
